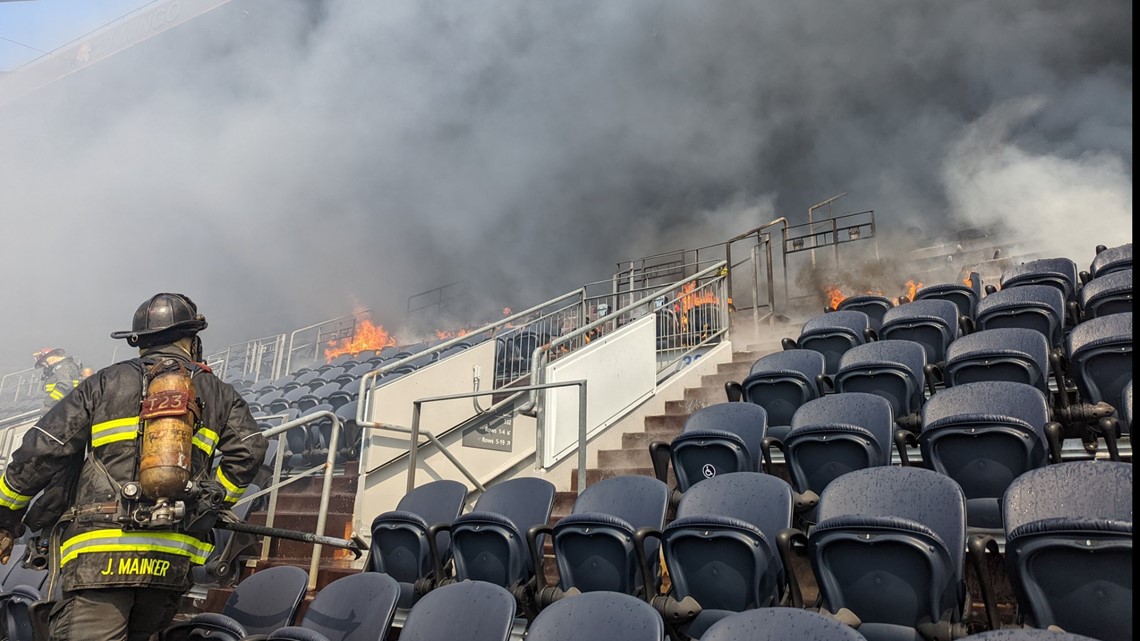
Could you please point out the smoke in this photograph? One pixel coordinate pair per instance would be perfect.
(280, 161)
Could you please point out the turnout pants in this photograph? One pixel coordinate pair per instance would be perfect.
(113, 614)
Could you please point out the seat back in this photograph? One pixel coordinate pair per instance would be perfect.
(357, 607)
(1108, 294)
(721, 549)
(1111, 260)
(489, 543)
(465, 611)
(837, 434)
(1058, 273)
(597, 616)
(963, 296)
(892, 369)
(1011, 354)
(1069, 547)
(780, 624)
(873, 305)
(1100, 357)
(1037, 307)
(833, 333)
(889, 546)
(984, 435)
(1125, 408)
(717, 439)
(930, 323)
(593, 546)
(268, 599)
(399, 538)
(781, 382)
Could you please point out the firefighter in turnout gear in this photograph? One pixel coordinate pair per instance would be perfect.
(124, 464)
(60, 374)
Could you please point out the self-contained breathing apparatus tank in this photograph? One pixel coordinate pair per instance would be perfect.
(169, 413)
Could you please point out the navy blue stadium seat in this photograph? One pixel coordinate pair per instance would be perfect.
(466, 611)
(596, 617)
(304, 378)
(832, 334)
(353, 433)
(1025, 634)
(400, 545)
(1037, 307)
(721, 549)
(780, 624)
(780, 383)
(1100, 357)
(889, 546)
(489, 543)
(593, 546)
(1125, 408)
(360, 370)
(1068, 547)
(717, 439)
(1113, 259)
(893, 369)
(20, 591)
(1006, 354)
(357, 607)
(1108, 294)
(964, 297)
(873, 305)
(984, 435)
(930, 323)
(264, 602)
(832, 436)
(1058, 273)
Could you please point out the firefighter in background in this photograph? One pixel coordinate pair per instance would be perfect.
(60, 374)
(136, 514)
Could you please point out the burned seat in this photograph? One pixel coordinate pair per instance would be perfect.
(1107, 294)
(1007, 354)
(873, 305)
(893, 369)
(717, 439)
(890, 546)
(1068, 550)
(984, 435)
(1037, 307)
(930, 323)
(832, 334)
(780, 383)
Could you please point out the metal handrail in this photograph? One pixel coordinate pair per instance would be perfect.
(293, 335)
(9, 425)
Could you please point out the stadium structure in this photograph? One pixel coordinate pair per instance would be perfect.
(773, 436)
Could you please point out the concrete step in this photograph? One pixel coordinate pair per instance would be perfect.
(595, 475)
(665, 422)
(624, 459)
(699, 397)
(641, 440)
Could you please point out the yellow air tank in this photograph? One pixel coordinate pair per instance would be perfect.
(168, 428)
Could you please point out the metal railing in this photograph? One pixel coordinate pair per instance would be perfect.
(7, 438)
(258, 359)
(25, 378)
(333, 329)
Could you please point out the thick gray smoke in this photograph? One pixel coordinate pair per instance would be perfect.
(284, 161)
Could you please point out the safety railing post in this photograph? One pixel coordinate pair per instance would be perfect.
(583, 428)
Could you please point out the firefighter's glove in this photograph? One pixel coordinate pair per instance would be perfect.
(6, 542)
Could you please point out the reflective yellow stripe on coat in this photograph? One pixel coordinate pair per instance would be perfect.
(135, 541)
(233, 492)
(10, 498)
(206, 440)
(120, 429)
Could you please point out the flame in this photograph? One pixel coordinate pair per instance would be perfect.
(366, 335)
(912, 288)
(834, 296)
(968, 282)
(444, 335)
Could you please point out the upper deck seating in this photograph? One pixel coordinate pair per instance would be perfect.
(930, 323)
(964, 297)
(873, 305)
(1112, 259)
(1068, 547)
(1037, 307)
(1059, 273)
(1100, 357)
(1108, 294)
(893, 369)
(832, 334)
(717, 439)
(1006, 354)
(780, 383)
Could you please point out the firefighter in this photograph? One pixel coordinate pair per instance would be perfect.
(60, 374)
(136, 514)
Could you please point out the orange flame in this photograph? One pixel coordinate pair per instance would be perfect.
(444, 335)
(968, 282)
(912, 288)
(366, 335)
(834, 296)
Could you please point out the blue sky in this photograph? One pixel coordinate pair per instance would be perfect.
(44, 25)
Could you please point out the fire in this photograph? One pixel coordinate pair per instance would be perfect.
(366, 335)
(912, 288)
(968, 282)
(690, 299)
(834, 296)
(444, 335)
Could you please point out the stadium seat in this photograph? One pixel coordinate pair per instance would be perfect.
(893, 369)
(717, 439)
(1100, 357)
(930, 323)
(593, 546)
(780, 383)
(264, 602)
(466, 611)
(832, 334)
(1108, 294)
(1113, 259)
(596, 617)
(353, 433)
(1058, 273)
(1068, 549)
(781, 624)
(1007, 354)
(1025, 634)
(964, 297)
(221, 568)
(1037, 307)
(400, 545)
(984, 435)
(889, 546)
(21, 590)
(489, 543)
(357, 607)
(1125, 408)
(721, 549)
(832, 436)
(873, 305)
